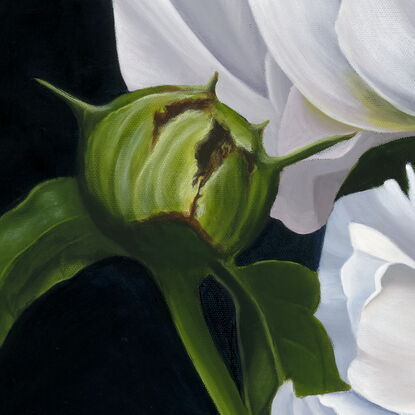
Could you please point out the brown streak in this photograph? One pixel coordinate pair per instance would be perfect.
(171, 111)
(212, 151)
(193, 206)
(210, 155)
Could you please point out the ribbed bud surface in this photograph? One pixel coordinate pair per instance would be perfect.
(176, 153)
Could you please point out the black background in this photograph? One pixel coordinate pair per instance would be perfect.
(102, 342)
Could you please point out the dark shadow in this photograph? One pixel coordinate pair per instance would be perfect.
(100, 343)
(276, 241)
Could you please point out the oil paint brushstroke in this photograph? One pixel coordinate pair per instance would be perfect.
(156, 257)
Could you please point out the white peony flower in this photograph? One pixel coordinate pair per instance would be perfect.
(367, 275)
(352, 60)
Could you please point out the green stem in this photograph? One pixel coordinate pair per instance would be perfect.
(310, 150)
(181, 292)
(239, 294)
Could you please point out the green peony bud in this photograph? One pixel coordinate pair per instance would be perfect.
(177, 153)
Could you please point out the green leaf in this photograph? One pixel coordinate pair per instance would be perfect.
(46, 239)
(379, 164)
(50, 237)
(278, 334)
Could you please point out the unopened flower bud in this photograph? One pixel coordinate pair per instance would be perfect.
(176, 152)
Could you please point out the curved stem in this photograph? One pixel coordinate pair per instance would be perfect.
(309, 150)
(180, 289)
(247, 306)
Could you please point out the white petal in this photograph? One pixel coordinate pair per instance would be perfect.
(384, 370)
(156, 47)
(388, 216)
(358, 281)
(278, 85)
(332, 312)
(378, 39)
(410, 174)
(361, 273)
(283, 401)
(399, 227)
(349, 247)
(302, 123)
(385, 211)
(350, 403)
(228, 30)
(307, 189)
(374, 243)
(287, 403)
(301, 37)
(348, 273)
(343, 403)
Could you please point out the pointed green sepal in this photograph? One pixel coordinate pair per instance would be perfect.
(78, 106)
(211, 84)
(261, 126)
(86, 114)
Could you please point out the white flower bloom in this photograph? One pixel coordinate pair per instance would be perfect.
(367, 275)
(352, 61)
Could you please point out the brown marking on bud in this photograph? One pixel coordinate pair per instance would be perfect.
(211, 154)
(212, 151)
(171, 111)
